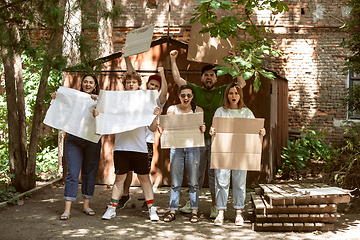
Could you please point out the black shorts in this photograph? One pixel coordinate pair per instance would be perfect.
(125, 161)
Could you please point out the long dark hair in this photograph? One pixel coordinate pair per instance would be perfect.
(192, 104)
(97, 87)
(226, 102)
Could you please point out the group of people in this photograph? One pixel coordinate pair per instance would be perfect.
(133, 149)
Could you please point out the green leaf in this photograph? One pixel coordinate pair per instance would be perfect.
(222, 71)
(215, 4)
(247, 75)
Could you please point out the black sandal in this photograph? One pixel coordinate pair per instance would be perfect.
(170, 217)
(194, 218)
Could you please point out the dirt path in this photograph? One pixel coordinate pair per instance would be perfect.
(38, 218)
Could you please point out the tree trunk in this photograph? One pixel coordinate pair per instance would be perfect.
(16, 113)
(54, 51)
(105, 31)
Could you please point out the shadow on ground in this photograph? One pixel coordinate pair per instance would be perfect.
(38, 218)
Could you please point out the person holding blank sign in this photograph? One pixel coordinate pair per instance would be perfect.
(233, 106)
(184, 157)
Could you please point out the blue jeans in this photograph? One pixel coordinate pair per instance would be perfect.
(84, 155)
(205, 155)
(178, 158)
(222, 184)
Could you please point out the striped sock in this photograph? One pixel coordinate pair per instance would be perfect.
(151, 201)
(114, 202)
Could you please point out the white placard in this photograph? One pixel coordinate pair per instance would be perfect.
(121, 111)
(71, 112)
(138, 40)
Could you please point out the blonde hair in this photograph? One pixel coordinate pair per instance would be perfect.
(226, 103)
(131, 75)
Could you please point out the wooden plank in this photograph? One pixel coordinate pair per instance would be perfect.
(323, 208)
(297, 218)
(259, 206)
(322, 200)
(293, 227)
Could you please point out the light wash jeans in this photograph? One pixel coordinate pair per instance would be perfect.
(222, 184)
(205, 155)
(84, 155)
(180, 157)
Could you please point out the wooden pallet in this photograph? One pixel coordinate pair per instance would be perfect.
(284, 227)
(280, 207)
(261, 206)
(286, 195)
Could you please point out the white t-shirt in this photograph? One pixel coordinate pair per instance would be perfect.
(133, 141)
(239, 113)
(150, 136)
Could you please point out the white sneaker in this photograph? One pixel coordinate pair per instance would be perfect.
(110, 213)
(239, 220)
(186, 208)
(214, 212)
(153, 215)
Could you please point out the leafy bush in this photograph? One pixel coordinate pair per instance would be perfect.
(349, 164)
(8, 193)
(300, 152)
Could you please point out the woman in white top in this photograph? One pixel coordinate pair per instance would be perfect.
(233, 106)
(188, 157)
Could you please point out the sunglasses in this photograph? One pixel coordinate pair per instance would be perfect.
(183, 95)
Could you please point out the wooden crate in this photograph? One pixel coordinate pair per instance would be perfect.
(280, 207)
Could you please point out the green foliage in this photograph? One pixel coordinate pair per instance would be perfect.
(348, 167)
(35, 28)
(294, 155)
(6, 194)
(47, 146)
(353, 41)
(47, 160)
(254, 47)
(301, 151)
(352, 100)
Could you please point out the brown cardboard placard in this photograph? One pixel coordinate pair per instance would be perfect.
(237, 144)
(182, 130)
(203, 48)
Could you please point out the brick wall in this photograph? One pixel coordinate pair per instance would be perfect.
(308, 34)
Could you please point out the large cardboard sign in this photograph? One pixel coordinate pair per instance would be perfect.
(182, 130)
(138, 40)
(203, 48)
(72, 112)
(121, 111)
(237, 144)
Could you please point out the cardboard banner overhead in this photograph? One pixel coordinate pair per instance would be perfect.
(203, 48)
(182, 130)
(237, 144)
(138, 40)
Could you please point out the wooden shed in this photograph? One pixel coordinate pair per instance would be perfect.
(269, 103)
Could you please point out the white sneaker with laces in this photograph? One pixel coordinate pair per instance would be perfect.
(153, 215)
(239, 220)
(186, 208)
(110, 213)
(214, 212)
